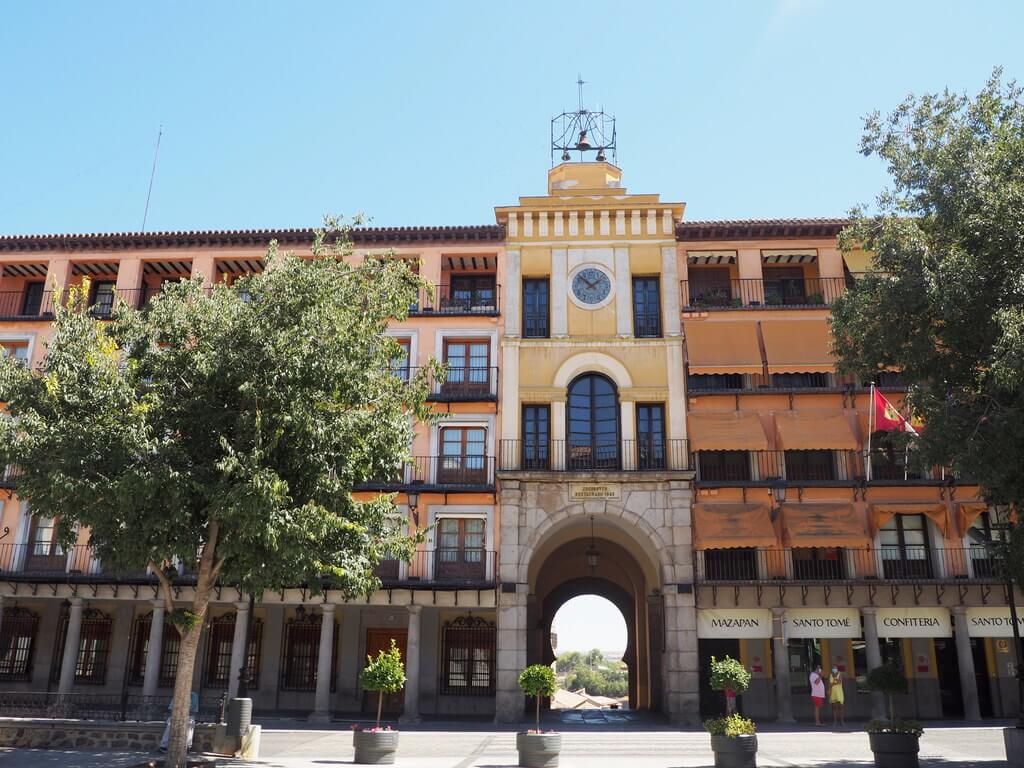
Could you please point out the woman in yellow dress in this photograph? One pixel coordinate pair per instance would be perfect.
(836, 697)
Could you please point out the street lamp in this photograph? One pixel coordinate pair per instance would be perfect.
(996, 548)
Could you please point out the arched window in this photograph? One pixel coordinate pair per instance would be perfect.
(593, 423)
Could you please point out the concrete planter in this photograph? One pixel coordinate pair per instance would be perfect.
(735, 751)
(538, 750)
(375, 747)
(895, 750)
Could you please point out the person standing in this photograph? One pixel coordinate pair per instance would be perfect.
(836, 697)
(817, 693)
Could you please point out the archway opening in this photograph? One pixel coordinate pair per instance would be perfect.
(589, 640)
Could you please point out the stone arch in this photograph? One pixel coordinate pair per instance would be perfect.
(593, 362)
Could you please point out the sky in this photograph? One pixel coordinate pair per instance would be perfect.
(274, 114)
(589, 621)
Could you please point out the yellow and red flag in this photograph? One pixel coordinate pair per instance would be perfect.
(888, 418)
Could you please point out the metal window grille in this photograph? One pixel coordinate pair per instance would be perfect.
(139, 650)
(17, 644)
(300, 651)
(468, 651)
(93, 648)
(218, 651)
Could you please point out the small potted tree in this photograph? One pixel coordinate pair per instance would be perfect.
(538, 749)
(895, 743)
(733, 737)
(385, 674)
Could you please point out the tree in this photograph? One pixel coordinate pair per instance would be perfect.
(569, 661)
(385, 674)
(595, 658)
(537, 680)
(731, 677)
(222, 431)
(944, 299)
(600, 682)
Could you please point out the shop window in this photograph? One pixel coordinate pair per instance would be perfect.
(723, 466)
(536, 309)
(650, 435)
(800, 380)
(301, 649)
(860, 665)
(814, 466)
(463, 459)
(17, 644)
(218, 651)
(904, 548)
(739, 564)
(536, 437)
(460, 549)
(169, 647)
(468, 652)
(818, 563)
(93, 648)
(804, 655)
(711, 382)
(646, 307)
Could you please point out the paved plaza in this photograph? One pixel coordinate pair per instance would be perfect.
(635, 745)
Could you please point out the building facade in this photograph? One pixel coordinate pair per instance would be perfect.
(636, 406)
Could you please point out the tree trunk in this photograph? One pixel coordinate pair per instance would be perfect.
(538, 713)
(380, 705)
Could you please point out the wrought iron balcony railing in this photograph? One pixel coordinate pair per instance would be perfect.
(820, 466)
(845, 564)
(460, 385)
(442, 566)
(654, 455)
(453, 300)
(739, 293)
(450, 473)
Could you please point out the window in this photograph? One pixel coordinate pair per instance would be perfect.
(93, 648)
(218, 651)
(726, 466)
(460, 549)
(696, 382)
(469, 294)
(400, 362)
(739, 564)
(301, 649)
(784, 285)
(16, 349)
(45, 553)
(818, 563)
(169, 647)
(810, 465)
(468, 369)
(17, 644)
(800, 380)
(536, 437)
(982, 564)
(463, 459)
(650, 436)
(904, 544)
(893, 458)
(593, 415)
(710, 287)
(535, 308)
(890, 380)
(646, 307)
(33, 298)
(804, 656)
(468, 650)
(102, 299)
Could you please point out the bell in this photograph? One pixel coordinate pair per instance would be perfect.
(565, 156)
(583, 143)
(601, 157)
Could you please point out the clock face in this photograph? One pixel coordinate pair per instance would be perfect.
(591, 285)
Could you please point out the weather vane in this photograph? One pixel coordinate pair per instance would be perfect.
(583, 131)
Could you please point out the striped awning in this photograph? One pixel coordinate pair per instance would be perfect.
(789, 256)
(239, 266)
(472, 262)
(711, 257)
(95, 268)
(175, 267)
(24, 270)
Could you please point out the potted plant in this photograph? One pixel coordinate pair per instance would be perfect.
(815, 298)
(538, 749)
(733, 738)
(385, 674)
(893, 742)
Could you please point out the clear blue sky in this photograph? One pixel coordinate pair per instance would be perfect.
(432, 113)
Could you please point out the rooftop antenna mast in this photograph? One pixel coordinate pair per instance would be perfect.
(583, 131)
(152, 175)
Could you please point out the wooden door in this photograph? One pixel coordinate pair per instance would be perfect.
(380, 640)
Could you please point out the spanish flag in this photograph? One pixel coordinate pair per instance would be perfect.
(888, 419)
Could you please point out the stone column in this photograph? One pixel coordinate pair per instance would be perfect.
(322, 699)
(411, 714)
(623, 294)
(238, 649)
(512, 311)
(780, 663)
(511, 657)
(559, 292)
(71, 643)
(874, 658)
(154, 648)
(965, 660)
(680, 673)
(670, 291)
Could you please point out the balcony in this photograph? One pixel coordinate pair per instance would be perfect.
(568, 456)
(452, 301)
(27, 562)
(439, 473)
(910, 564)
(758, 293)
(24, 305)
(841, 467)
(461, 385)
(440, 567)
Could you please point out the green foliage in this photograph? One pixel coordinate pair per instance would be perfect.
(569, 661)
(732, 726)
(908, 727)
(944, 302)
(537, 680)
(386, 673)
(888, 679)
(595, 658)
(729, 674)
(600, 682)
(184, 618)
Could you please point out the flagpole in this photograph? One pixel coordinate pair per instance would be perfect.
(871, 429)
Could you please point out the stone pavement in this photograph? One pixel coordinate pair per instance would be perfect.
(448, 745)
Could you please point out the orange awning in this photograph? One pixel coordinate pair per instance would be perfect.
(967, 512)
(797, 346)
(724, 526)
(726, 431)
(823, 525)
(722, 347)
(811, 430)
(935, 511)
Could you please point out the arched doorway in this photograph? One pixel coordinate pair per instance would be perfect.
(592, 423)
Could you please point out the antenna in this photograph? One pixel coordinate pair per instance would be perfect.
(580, 82)
(152, 175)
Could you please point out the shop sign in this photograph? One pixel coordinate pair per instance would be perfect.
(749, 624)
(913, 622)
(992, 622)
(594, 492)
(822, 622)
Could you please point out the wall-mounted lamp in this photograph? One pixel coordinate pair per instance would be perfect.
(778, 492)
(413, 502)
(592, 552)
